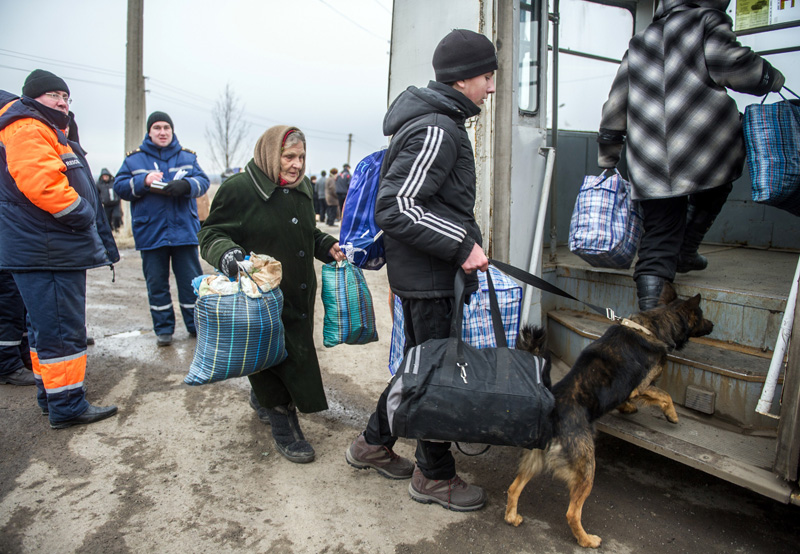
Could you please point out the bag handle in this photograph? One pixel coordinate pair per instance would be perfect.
(604, 176)
(457, 323)
(454, 359)
(242, 269)
(794, 114)
(778, 92)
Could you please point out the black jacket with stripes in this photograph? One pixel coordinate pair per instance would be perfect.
(426, 198)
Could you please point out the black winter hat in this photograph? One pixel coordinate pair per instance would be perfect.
(41, 81)
(159, 116)
(463, 54)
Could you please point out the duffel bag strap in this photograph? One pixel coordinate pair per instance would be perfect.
(457, 322)
(456, 362)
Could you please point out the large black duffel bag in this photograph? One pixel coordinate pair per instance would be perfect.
(448, 390)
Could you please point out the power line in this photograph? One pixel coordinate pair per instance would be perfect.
(354, 22)
(250, 117)
(73, 65)
(179, 101)
(66, 77)
(387, 10)
(180, 90)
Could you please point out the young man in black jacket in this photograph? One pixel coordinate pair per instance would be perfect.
(425, 207)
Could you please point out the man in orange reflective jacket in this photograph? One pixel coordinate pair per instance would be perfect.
(54, 229)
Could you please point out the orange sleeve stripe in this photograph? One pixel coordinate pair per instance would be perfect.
(63, 373)
(33, 154)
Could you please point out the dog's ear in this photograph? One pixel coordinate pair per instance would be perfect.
(667, 294)
(694, 302)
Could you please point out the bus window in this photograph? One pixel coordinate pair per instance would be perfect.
(592, 40)
(529, 55)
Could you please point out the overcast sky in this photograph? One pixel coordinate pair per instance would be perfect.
(321, 65)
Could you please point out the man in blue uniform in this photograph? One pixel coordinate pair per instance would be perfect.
(161, 180)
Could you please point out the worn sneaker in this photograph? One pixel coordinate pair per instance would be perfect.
(164, 340)
(361, 455)
(454, 494)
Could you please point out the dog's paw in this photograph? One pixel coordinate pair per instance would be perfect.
(514, 519)
(627, 408)
(591, 541)
(672, 417)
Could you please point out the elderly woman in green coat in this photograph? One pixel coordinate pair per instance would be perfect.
(269, 209)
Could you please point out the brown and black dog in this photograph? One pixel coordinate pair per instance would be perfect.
(615, 371)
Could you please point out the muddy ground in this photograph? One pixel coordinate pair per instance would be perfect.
(191, 469)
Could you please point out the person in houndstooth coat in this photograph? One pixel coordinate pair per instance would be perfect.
(669, 102)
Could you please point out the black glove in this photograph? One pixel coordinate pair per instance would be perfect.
(228, 262)
(181, 187)
(777, 83)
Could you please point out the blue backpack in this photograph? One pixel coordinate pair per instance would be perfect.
(360, 238)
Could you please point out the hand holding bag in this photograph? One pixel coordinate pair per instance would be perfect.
(448, 390)
(772, 140)
(477, 328)
(349, 315)
(606, 225)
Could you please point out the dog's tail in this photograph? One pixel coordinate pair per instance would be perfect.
(534, 340)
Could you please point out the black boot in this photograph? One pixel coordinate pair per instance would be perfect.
(261, 412)
(698, 222)
(648, 290)
(289, 439)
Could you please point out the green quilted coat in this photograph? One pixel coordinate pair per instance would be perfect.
(255, 214)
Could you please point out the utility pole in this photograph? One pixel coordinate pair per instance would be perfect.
(349, 144)
(134, 89)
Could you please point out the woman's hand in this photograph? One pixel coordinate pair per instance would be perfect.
(336, 252)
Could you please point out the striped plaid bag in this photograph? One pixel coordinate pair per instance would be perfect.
(772, 139)
(349, 315)
(238, 334)
(606, 225)
(477, 327)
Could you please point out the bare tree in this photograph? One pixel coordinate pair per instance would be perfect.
(228, 129)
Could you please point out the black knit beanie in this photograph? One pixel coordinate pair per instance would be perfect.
(41, 81)
(159, 116)
(463, 54)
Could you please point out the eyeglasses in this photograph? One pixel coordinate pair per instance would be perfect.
(56, 96)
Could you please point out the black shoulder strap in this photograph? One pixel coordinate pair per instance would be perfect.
(541, 284)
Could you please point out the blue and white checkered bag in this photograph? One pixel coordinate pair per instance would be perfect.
(772, 139)
(237, 334)
(477, 329)
(606, 225)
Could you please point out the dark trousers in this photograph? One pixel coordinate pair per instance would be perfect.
(330, 214)
(56, 303)
(424, 319)
(14, 351)
(341, 198)
(319, 207)
(665, 225)
(114, 216)
(185, 266)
